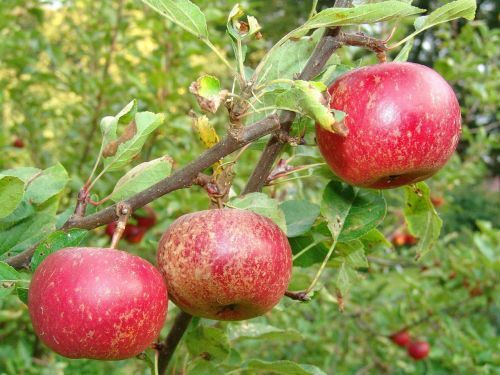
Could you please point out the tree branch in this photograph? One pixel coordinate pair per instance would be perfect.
(167, 349)
(327, 45)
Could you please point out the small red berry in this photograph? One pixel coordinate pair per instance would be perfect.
(418, 350)
(401, 338)
(18, 143)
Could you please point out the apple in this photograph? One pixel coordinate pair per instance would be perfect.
(111, 228)
(399, 239)
(401, 338)
(18, 143)
(418, 349)
(403, 122)
(225, 264)
(97, 303)
(134, 233)
(146, 221)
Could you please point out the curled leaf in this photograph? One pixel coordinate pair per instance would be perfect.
(208, 93)
(128, 134)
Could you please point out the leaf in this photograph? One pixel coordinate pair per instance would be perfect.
(311, 99)
(145, 123)
(351, 212)
(27, 225)
(300, 215)
(22, 293)
(209, 342)
(421, 217)
(315, 254)
(23, 173)
(345, 278)
(109, 124)
(11, 194)
(374, 241)
(205, 130)
(183, 13)
(56, 241)
(48, 183)
(8, 277)
(448, 12)
(201, 366)
(208, 93)
(263, 205)
(284, 367)
(142, 177)
(363, 14)
(405, 51)
(288, 59)
(261, 331)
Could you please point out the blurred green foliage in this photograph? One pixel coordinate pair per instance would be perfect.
(66, 64)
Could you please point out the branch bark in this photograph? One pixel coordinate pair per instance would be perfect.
(327, 45)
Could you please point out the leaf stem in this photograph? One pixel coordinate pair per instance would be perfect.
(219, 54)
(323, 265)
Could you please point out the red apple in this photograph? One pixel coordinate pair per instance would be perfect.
(134, 233)
(403, 121)
(225, 264)
(419, 350)
(97, 303)
(110, 228)
(401, 338)
(18, 143)
(399, 239)
(148, 220)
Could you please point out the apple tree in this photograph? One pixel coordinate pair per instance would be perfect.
(260, 182)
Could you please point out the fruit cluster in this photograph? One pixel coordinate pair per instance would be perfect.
(416, 349)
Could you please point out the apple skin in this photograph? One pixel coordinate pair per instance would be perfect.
(225, 264)
(419, 350)
(403, 122)
(97, 303)
(401, 338)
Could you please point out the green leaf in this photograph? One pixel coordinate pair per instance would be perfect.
(315, 254)
(8, 277)
(300, 215)
(120, 156)
(22, 293)
(289, 59)
(208, 93)
(109, 124)
(202, 366)
(374, 241)
(48, 183)
(421, 217)
(263, 205)
(210, 342)
(363, 14)
(11, 194)
(284, 367)
(351, 212)
(56, 241)
(310, 99)
(345, 278)
(261, 331)
(8, 273)
(405, 51)
(448, 12)
(27, 225)
(183, 13)
(24, 173)
(142, 177)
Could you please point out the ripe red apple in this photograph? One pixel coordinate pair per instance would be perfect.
(225, 264)
(403, 121)
(148, 220)
(419, 349)
(18, 143)
(110, 228)
(97, 303)
(134, 233)
(401, 338)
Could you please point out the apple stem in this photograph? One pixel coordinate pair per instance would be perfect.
(123, 210)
